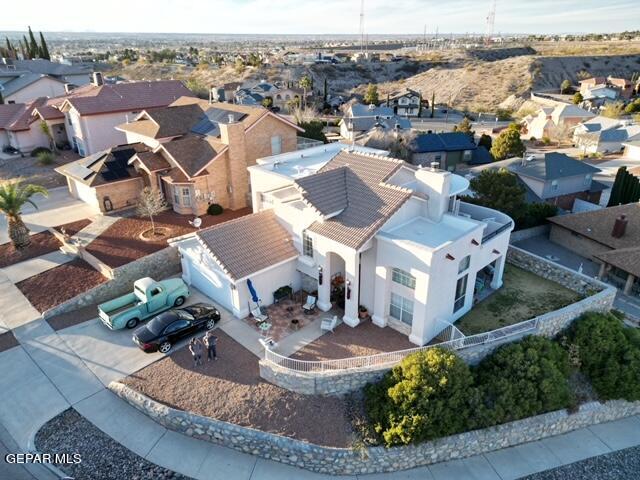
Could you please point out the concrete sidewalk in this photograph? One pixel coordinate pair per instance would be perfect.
(33, 266)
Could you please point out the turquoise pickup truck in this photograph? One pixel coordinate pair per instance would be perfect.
(147, 300)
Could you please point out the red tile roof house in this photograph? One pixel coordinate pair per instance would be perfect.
(194, 152)
(17, 129)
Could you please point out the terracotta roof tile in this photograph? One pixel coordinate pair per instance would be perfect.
(248, 244)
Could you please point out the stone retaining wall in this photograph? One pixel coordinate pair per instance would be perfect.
(158, 265)
(599, 297)
(346, 461)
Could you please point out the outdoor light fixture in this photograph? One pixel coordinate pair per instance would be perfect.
(495, 251)
(450, 257)
(319, 275)
(474, 242)
(348, 283)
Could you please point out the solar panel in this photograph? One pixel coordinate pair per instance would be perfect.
(208, 123)
(79, 171)
(108, 176)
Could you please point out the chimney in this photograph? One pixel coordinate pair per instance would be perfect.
(96, 79)
(233, 135)
(68, 87)
(619, 227)
(231, 118)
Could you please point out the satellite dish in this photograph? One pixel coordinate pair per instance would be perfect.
(197, 222)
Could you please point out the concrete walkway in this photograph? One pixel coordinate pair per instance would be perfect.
(95, 228)
(33, 266)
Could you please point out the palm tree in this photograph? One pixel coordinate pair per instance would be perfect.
(305, 84)
(13, 196)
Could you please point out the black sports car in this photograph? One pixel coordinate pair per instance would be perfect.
(163, 331)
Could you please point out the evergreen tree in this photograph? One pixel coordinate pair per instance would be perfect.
(371, 95)
(44, 50)
(626, 188)
(33, 45)
(23, 49)
(325, 94)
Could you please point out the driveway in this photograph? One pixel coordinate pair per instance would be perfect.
(57, 209)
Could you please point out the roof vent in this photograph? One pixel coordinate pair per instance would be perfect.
(619, 227)
(434, 166)
(231, 118)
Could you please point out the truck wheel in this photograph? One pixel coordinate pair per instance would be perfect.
(211, 323)
(164, 347)
(179, 301)
(132, 323)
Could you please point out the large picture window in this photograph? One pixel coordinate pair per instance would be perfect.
(186, 196)
(401, 308)
(403, 278)
(464, 264)
(461, 291)
(276, 145)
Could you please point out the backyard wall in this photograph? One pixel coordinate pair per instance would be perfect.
(344, 461)
(598, 297)
(158, 265)
(527, 233)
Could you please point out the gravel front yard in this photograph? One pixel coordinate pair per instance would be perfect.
(41, 244)
(74, 227)
(620, 465)
(53, 287)
(30, 171)
(102, 457)
(365, 339)
(121, 243)
(231, 390)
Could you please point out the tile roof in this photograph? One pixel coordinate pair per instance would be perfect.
(171, 121)
(24, 80)
(369, 201)
(193, 153)
(43, 66)
(554, 166)
(104, 167)
(597, 225)
(248, 244)
(121, 97)
(360, 110)
(17, 116)
(326, 191)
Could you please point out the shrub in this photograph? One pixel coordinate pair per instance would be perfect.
(536, 214)
(485, 141)
(522, 379)
(425, 396)
(546, 140)
(609, 354)
(45, 158)
(214, 209)
(36, 151)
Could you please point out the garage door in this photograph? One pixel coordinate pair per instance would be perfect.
(209, 282)
(85, 193)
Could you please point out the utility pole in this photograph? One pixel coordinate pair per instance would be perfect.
(491, 22)
(362, 26)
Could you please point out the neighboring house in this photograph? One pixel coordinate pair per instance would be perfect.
(360, 229)
(599, 90)
(359, 119)
(255, 95)
(558, 179)
(22, 81)
(589, 83)
(405, 104)
(17, 129)
(603, 135)
(447, 149)
(92, 112)
(554, 122)
(632, 150)
(196, 154)
(609, 236)
(225, 93)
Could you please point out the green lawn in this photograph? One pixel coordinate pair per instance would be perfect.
(524, 295)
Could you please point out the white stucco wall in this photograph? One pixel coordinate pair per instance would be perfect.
(27, 140)
(100, 132)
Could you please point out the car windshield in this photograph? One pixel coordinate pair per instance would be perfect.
(158, 324)
(184, 315)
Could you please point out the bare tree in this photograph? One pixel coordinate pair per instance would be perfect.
(151, 203)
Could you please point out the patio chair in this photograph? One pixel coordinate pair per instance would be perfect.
(328, 324)
(258, 315)
(310, 306)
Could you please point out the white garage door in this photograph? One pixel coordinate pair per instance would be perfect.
(85, 193)
(209, 282)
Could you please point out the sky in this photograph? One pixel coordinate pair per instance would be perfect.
(322, 16)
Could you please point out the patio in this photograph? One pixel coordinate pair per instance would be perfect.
(287, 317)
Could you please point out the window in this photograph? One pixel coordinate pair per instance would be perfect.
(401, 308)
(554, 185)
(307, 244)
(155, 291)
(464, 264)
(276, 145)
(438, 158)
(177, 325)
(176, 195)
(403, 278)
(186, 196)
(461, 291)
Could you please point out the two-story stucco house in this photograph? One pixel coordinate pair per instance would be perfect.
(359, 119)
(194, 152)
(406, 104)
(394, 236)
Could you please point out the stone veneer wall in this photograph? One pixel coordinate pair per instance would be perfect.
(158, 265)
(347, 461)
(599, 297)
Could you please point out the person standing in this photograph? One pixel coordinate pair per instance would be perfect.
(211, 341)
(195, 347)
